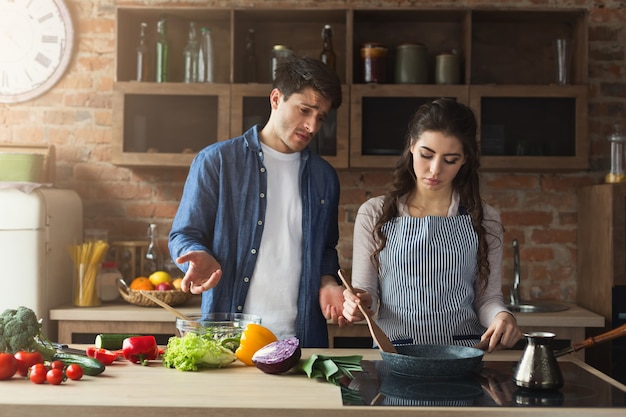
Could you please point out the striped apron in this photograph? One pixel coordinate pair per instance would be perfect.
(427, 274)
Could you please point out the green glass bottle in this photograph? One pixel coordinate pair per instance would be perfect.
(161, 55)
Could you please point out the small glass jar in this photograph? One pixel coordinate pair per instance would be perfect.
(617, 140)
(278, 52)
(374, 60)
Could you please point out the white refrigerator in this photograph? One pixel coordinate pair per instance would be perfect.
(35, 266)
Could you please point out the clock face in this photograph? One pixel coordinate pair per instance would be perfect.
(36, 41)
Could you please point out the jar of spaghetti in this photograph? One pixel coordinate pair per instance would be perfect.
(374, 62)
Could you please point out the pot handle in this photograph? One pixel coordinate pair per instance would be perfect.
(601, 338)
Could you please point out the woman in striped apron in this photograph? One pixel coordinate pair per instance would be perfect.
(427, 257)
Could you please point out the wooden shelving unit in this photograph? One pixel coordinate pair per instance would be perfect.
(527, 123)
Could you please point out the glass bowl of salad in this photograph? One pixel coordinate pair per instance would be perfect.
(217, 325)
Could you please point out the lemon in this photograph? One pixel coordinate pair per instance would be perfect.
(158, 277)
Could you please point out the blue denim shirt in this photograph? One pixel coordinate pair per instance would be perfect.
(222, 212)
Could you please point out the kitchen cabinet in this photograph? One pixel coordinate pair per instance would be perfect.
(507, 64)
(602, 267)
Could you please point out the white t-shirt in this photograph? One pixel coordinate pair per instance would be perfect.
(275, 283)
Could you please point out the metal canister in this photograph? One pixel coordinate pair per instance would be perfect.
(447, 69)
(374, 59)
(411, 64)
(278, 52)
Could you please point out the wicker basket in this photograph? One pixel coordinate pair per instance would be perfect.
(172, 297)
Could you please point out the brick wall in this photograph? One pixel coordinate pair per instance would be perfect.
(540, 210)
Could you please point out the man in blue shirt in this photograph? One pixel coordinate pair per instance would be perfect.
(256, 230)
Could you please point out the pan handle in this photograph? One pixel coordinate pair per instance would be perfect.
(601, 338)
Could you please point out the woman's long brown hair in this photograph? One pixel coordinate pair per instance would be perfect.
(452, 119)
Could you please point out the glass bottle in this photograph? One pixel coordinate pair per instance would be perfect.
(191, 54)
(160, 53)
(327, 56)
(249, 59)
(205, 63)
(278, 52)
(617, 140)
(153, 260)
(143, 53)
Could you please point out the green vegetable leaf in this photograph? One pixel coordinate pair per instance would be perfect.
(192, 352)
(331, 368)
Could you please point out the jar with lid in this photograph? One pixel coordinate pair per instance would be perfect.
(278, 52)
(411, 64)
(374, 61)
(108, 281)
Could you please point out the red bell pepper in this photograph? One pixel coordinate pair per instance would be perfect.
(140, 349)
(103, 355)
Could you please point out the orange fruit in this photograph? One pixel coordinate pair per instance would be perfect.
(176, 283)
(141, 283)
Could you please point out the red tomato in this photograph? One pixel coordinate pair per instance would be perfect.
(27, 359)
(74, 371)
(37, 373)
(8, 365)
(57, 365)
(55, 376)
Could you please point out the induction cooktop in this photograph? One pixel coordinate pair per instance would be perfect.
(492, 387)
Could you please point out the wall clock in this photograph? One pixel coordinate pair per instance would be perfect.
(36, 42)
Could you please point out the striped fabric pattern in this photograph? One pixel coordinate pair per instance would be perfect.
(427, 274)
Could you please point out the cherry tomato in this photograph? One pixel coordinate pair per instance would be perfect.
(74, 371)
(8, 365)
(27, 359)
(37, 373)
(55, 376)
(57, 365)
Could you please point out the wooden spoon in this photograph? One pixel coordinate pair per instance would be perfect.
(170, 309)
(378, 334)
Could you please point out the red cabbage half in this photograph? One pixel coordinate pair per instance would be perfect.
(278, 357)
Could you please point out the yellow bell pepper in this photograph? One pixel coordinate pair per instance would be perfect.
(253, 338)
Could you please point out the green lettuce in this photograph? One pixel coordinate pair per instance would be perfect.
(192, 352)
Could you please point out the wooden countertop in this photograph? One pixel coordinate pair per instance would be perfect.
(575, 316)
(128, 389)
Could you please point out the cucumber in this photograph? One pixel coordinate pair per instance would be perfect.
(91, 366)
(112, 341)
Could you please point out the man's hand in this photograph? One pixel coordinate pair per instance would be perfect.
(331, 300)
(203, 274)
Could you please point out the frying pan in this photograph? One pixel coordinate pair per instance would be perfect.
(433, 360)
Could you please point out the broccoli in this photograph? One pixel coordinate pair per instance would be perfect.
(20, 330)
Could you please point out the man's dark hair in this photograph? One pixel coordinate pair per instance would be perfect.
(294, 73)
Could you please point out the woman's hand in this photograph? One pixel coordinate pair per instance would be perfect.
(501, 333)
(203, 274)
(351, 310)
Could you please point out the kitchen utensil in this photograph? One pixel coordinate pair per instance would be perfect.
(168, 307)
(379, 336)
(433, 360)
(538, 368)
(594, 340)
